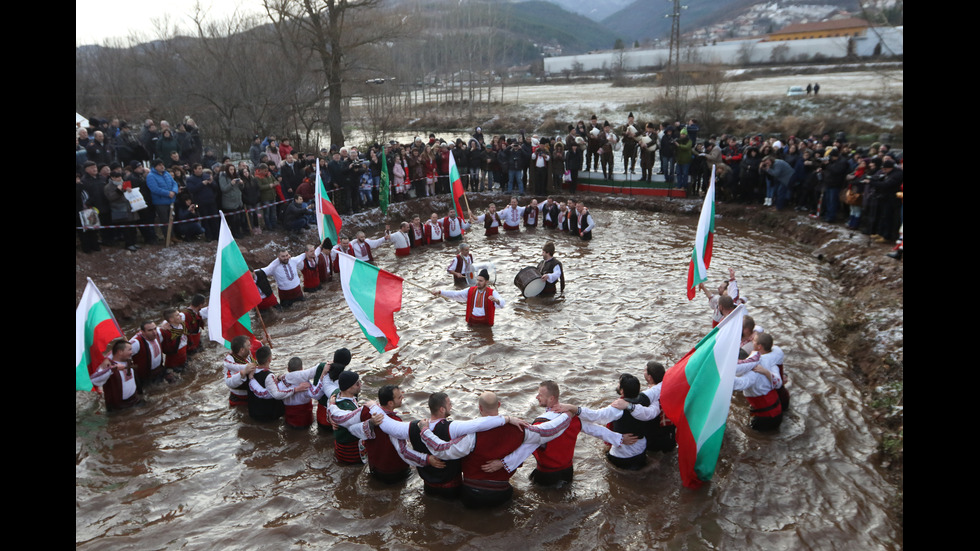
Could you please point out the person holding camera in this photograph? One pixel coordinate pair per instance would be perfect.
(231, 197)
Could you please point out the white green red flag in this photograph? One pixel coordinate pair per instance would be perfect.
(95, 328)
(696, 394)
(328, 221)
(697, 272)
(457, 183)
(233, 292)
(373, 296)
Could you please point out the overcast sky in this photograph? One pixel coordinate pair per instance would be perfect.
(100, 19)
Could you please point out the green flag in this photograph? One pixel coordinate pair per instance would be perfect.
(385, 187)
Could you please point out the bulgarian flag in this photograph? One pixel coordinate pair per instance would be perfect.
(233, 292)
(696, 394)
(373, 296)
(697, 272)
(95, 328)
(457, 182)
(328, 221)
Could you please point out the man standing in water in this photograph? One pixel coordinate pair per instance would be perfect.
(584, 220)
(117, 377)
(550, 270)
(286, 269)
(461, 266)
(481, 301)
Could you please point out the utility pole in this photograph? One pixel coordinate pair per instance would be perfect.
(674, 56)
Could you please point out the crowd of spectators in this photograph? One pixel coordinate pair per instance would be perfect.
(274, 185)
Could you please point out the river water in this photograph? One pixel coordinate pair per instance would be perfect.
(187, 472)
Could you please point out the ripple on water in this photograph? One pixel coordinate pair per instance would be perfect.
(187, 471)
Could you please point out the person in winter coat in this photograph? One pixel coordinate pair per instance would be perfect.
(166, 144)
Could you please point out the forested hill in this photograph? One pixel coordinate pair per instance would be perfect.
(536, 22)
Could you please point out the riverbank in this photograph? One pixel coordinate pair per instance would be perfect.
(871, 336)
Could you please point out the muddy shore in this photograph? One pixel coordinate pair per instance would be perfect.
(867, 327)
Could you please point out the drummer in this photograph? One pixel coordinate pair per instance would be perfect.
(461, 267)
(481, 301)
(550, 270)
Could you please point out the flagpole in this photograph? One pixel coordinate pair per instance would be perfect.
(262, 321)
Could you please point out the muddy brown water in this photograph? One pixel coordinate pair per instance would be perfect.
(187, 472)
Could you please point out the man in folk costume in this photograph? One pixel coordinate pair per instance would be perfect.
(486, 476)
(768, 357)
(236, 364)
(592, 147)
(441, 479)
(174, 342)
(363, 246)
(584, 221)
(661, 435)
(262, 405)
(462, 266)
(195, 321)
(400, 239)
(759, 386)
(265, 290)
(512, 215)
(549, 213)
(453, 226)
(730, 289)
(147, 353)
(388, 457)
(434, 232)
(345, 444)
(648, 151)
(344, 247)
(293, 388)
(481, 301)
(630, 147)
(563, 221)
(550, 270)
(323, 264)
(531, 214)
(326, 380)
(117, 377)
(286, 271)
(554, 460)
(491, 220)
(416, 235)
(623, 424)
(607, 141)
(571, 218)
(310, 268)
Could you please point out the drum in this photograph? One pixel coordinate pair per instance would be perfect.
(529, 281)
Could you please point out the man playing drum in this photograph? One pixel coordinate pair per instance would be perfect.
(550, 269)
(481, 301)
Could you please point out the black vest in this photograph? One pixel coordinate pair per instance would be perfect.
(264, 409)
(545, 267)
(553, 212)
(627, 424)
(430, 474)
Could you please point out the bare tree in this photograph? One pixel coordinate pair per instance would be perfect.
(333, 31)
(779, 54)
